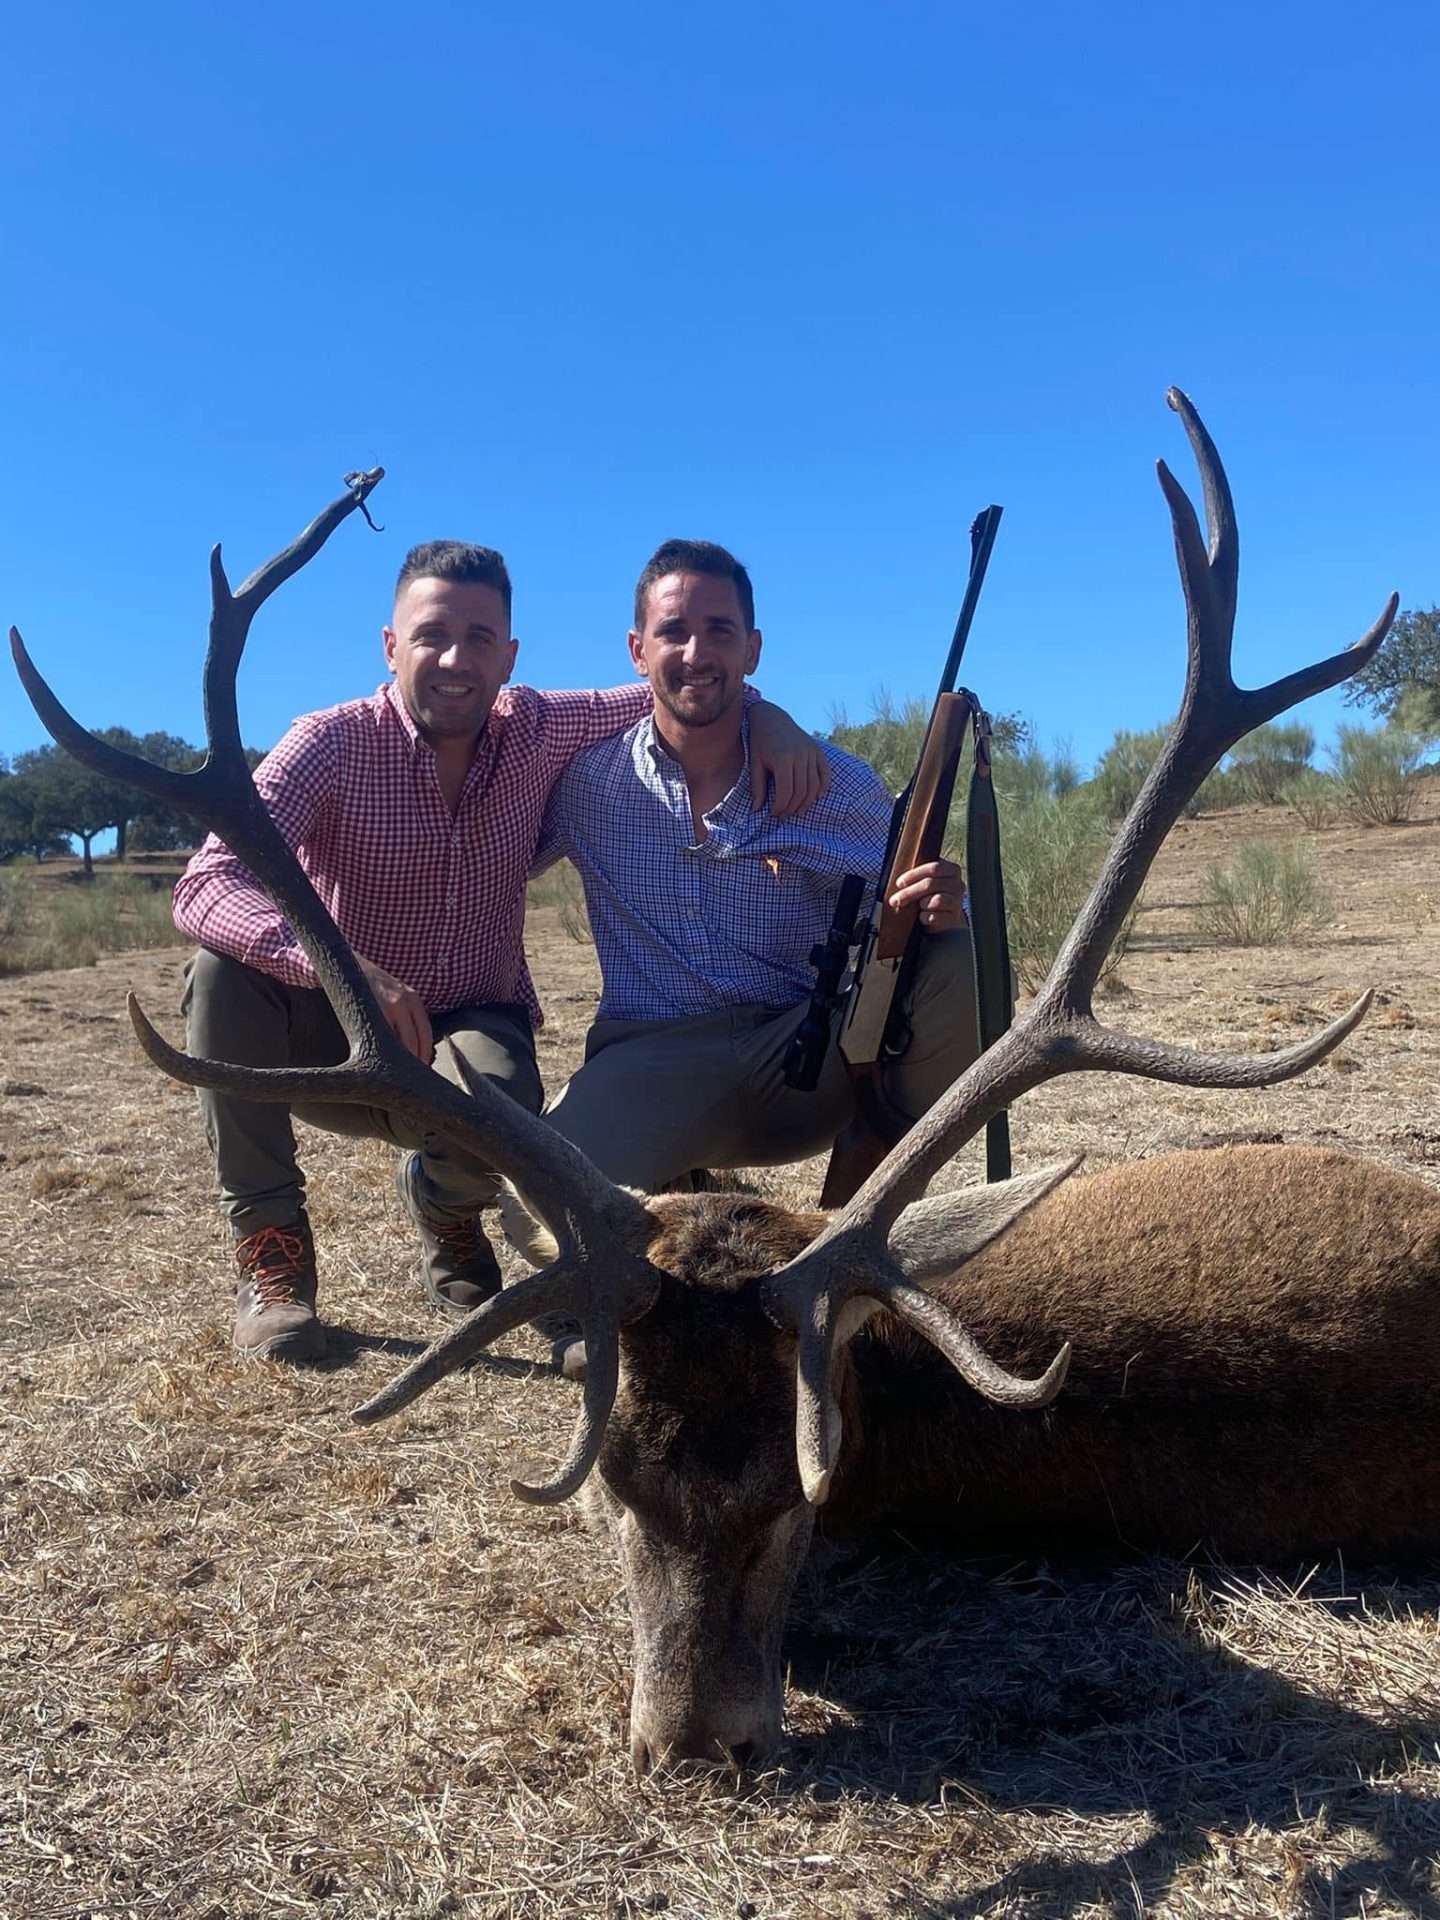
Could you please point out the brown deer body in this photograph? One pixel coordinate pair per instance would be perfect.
(1255, 1370)
(1238, 1381)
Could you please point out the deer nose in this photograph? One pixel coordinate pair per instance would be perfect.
(696, 1748)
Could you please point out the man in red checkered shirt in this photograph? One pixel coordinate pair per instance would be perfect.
(415, 814)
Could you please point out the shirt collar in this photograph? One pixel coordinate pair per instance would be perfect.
(654, 753)
(649, 739)
(390, 693)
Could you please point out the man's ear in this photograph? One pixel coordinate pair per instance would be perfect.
(514, 649)
(752, 658)
(388, 636)
(636, 644)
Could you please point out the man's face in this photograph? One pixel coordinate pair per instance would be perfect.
(451, 652)
(695, 649)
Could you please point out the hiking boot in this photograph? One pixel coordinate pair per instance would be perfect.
(275, 1300)
(458, 1270)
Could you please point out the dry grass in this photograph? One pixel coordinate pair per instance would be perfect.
(257, 1663)
(51, 916)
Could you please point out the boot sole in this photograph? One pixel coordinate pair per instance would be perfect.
(291, 1349)
(437, 1299)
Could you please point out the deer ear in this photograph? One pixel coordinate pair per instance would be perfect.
(935, 1236)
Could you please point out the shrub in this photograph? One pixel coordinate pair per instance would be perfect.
(1123, 768)
(111, 915)
(1312, 796)
(1266, 893)
(1064, 771)
(1051, 849)
(1417, 711)
(559, 887)
(1020, 778)
(1125, 765)
(1267, 760)
(892, 738)
(1220, 789)
(1375, 774)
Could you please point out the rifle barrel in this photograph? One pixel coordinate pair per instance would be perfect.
(982, 539)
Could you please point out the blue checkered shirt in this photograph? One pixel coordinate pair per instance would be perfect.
(682, 929)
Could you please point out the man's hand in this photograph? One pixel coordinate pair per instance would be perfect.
(403, 1009)
(785, 756)
(939, 886)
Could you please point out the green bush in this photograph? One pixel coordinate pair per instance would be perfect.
(1313, 797)
(1123, 768)
(1375, 773)
(1220, 789)
(1050, 849)
(891, 740)
(1268, 892)
(1065, 774)
(1417, 710)
(559, 887)
(1267, 760)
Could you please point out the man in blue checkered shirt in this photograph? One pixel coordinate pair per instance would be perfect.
(704, 910)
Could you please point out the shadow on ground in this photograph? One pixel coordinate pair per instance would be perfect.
(1067, 1695)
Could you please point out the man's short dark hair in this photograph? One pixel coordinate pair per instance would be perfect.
(456, 560)
(694, 556)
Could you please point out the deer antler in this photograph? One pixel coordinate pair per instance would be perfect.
(596, 1224)
(857, 1254)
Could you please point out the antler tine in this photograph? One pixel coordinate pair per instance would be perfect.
(549, 1291)
(1058, 1033)
(602, 1377)
(232, 611)
(557, 1288)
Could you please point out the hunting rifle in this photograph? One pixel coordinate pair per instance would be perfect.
(872, 1027)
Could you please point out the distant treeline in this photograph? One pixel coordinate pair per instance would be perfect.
(48, 800)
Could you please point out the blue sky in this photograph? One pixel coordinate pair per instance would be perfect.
(815, 282)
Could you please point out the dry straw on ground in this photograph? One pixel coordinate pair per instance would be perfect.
(256, 1662)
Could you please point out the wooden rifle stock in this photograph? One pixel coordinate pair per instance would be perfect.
(922, 832)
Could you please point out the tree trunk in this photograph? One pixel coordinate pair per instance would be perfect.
(85, 840)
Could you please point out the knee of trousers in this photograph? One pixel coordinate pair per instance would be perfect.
(214, 981)
(236, 1013)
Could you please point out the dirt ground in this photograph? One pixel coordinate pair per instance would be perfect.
(255, 1661)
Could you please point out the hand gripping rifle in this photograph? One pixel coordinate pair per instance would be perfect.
(873, 1030)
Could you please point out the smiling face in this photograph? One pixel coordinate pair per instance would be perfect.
(695, 647)
(450, 650)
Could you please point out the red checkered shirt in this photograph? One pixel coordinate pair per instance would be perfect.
(439, 901)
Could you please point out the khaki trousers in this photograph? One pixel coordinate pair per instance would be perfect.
(656, 1098)
(235, 1013)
